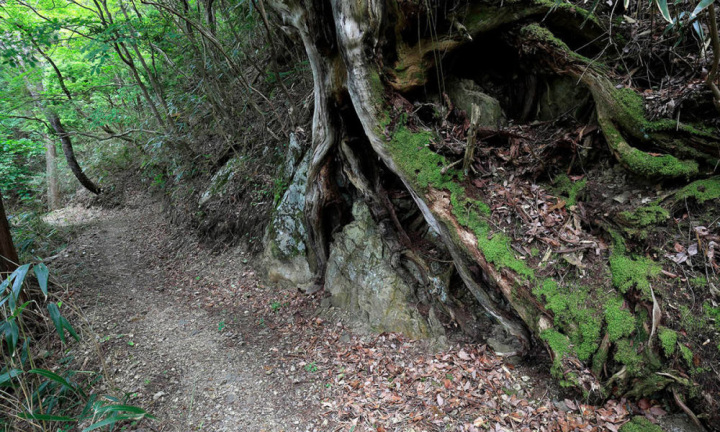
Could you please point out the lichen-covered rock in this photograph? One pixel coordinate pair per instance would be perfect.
(464, 93)
(361, 281)
(293, 155)
(285, 248)
(219, 182)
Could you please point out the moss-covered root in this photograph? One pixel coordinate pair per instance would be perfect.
(621, 116)
(642, 163)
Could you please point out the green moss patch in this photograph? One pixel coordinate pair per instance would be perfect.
(647, 165)
(646, 216)
(668, 340)
(570, 189)
(628, 272)
(687, 355)
(640, 424)
(701, 190)
(626, 354)
(574, 315)
(425, 168)
(620, 322)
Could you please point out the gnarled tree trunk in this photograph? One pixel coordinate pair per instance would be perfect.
(370, 58)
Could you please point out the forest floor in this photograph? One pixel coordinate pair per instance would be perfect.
(196, 338)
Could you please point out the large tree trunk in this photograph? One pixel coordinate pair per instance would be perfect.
(8, 254)
(369, 57)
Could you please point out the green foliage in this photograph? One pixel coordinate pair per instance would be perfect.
(646, 216)
(570, 189)
(626, 354)
(33, 237)
(687, 355)
(425, 169)
(559, 344)
(35, 393)
(628, 273)
(17, 160)
(574, 315)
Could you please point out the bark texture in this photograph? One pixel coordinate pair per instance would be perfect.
(53, 189)
(8, 254)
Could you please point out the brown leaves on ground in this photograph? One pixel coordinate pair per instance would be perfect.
(386, 382)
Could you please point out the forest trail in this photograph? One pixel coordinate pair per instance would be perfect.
(195, 338)
(176, 359)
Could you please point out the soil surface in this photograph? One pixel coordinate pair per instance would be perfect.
(199, 341)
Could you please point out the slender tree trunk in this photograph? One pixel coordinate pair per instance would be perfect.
(52, 117)
(67, 147)
(8, 254)
(53, 189)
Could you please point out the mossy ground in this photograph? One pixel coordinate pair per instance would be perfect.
(640, 424)
(700, 190)
(582, 313)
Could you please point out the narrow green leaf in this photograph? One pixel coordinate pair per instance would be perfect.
(5, 379)
(88, 407)
(56, 319)
(6, 282)
(662, 5)
(20, 274)
(704, 4)
(12, 333)
(19, 310)
(121, 408)
(56, 378)
(7, 297)
(112, 420)
(42, 273)
(67, 326)
(45, 417)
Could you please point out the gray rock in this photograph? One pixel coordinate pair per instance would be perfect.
(361, 281)
(678, 423)
(221, 179)
(292, 157)
(561, 95)
(285, 249)
(464, 93)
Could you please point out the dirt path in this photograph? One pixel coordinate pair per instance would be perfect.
(198, 340)
(175, 359)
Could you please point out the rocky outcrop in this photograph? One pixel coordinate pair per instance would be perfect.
(284, 242)
(360, 279)
(221, 179)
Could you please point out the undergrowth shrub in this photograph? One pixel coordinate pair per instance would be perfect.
(38, 390)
